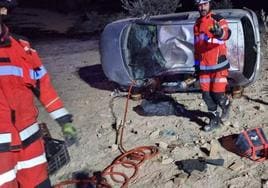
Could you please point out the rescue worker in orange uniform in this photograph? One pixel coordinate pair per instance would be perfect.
(210, 33)
(22, 156)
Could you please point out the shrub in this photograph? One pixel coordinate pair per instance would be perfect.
(264, 19)
(150, 7)
(93, 23)
(221, 4)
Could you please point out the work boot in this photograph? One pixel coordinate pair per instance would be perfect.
(225, 110)
(214, 122)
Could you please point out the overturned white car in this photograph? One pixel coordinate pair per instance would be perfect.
(162, 47)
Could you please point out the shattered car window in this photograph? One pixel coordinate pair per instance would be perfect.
(144, 59)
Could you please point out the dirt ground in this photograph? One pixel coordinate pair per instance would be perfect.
(75, 69)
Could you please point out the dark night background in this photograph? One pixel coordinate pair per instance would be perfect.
(91, 15)
(114, 5)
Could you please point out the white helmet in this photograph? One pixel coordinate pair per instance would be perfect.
(198, 2)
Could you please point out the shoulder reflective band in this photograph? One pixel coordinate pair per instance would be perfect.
(11, 70)
(5, 138)
(37, 74)
(58, 113)
(29, 131)
(17, 71)
(214, 67)
(11, 174)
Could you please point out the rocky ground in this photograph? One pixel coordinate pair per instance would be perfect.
(76, 73)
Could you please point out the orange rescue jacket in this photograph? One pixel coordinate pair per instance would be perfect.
(21, 73)
(210, 52)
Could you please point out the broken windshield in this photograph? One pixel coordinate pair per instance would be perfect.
(142, 55)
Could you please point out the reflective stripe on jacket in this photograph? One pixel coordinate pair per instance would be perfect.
(27, 167)
(211, 51)
(12, 173)
(21, 73)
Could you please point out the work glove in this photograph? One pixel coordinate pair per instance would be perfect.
(69, 134)
(216, 30)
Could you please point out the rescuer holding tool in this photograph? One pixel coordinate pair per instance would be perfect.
(22, 75)
(210, 32)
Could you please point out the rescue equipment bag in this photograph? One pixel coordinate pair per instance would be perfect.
(252, 144)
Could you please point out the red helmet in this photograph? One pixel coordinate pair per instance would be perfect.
(9, 4)
(198, 2)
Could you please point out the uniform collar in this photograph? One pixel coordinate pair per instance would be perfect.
(206, 16)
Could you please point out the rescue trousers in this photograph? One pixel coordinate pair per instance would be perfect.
(213, 86)
(25, 168)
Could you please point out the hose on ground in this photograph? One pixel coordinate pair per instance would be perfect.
(130, 160)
